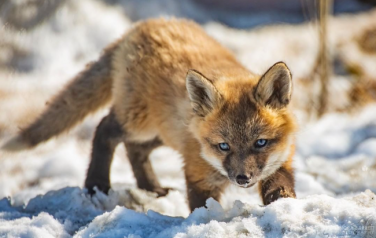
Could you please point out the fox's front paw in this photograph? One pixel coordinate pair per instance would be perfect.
(278, 193)
(103, 187)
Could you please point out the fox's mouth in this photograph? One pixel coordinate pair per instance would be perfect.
(246, 185)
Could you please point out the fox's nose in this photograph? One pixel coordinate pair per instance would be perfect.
(242, 179)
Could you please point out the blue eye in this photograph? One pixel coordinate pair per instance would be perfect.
(261, 143)
(224, 146)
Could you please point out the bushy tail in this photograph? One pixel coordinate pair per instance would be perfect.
(86, 93)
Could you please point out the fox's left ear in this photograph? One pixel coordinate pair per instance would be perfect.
(202, 93)
(274, 87)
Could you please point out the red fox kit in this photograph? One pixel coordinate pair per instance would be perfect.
(172, 84)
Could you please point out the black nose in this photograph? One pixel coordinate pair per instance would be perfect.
(242, 179)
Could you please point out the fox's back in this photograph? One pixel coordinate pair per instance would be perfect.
(150, 67)
(162, 51)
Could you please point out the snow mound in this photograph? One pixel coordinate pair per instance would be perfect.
(314, 216)
(74, 208)
(43, 226)
(63, 212)
(69, 207)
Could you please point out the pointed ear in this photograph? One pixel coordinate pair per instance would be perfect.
(275, 87)
(201, 92)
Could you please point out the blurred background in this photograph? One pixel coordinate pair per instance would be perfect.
(330, 46)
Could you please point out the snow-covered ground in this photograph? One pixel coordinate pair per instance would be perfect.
(41, 190)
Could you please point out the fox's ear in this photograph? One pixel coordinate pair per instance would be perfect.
(202, 93)
(275, 86)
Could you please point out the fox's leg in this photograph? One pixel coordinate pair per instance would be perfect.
(203, 180)
(200, 190)
(107, 136)
(138, 154)
(280, 184)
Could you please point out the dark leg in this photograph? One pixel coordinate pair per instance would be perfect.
(107, 136)
(278, 185)
(200, 191)
(138, 154)
(203, 180)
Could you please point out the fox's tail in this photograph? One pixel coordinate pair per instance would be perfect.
(86, 93)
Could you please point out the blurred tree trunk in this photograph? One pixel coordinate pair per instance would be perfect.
(323, 62)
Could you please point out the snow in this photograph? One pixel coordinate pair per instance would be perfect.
(41, 190)
(43, 225)
(313, 216)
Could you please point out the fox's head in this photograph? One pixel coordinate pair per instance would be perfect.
(243, 125)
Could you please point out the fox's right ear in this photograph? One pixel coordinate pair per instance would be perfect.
(202, 93)
(275, 87)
